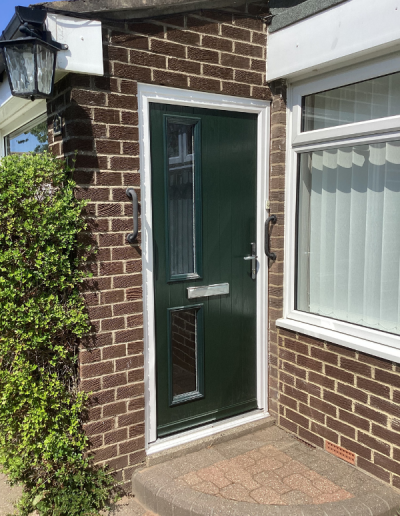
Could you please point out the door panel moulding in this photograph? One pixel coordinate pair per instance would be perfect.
(159, 94)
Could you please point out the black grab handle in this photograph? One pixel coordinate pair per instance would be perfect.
(131, 193)
(273, 219)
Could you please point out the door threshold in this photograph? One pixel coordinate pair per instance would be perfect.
(174, 446)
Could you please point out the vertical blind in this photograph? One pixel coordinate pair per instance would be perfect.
(366, 100)
(348, 256)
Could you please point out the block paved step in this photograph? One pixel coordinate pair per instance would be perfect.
(200, 444)
(265, 473)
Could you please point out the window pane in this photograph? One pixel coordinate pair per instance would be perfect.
(348, 262)
(367, 100)
(184, 351)
(181, 197)
(31, 137)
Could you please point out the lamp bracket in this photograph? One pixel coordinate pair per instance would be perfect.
(60, 46)
(44, 35)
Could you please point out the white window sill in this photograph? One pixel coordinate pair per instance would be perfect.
(348, 341)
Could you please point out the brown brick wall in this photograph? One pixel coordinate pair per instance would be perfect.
(320, 391)
(331, 393)
(276, 195)
(208, 51)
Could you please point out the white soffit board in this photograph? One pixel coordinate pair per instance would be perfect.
(84, 40)
(5, 92)
(15, 111)
(346, 33)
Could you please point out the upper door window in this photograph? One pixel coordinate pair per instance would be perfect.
(31, 137)
(346, 262)
(183, 197)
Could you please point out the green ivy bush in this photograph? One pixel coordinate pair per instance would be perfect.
(42, 321)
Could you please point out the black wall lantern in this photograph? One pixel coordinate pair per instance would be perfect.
(31, 61)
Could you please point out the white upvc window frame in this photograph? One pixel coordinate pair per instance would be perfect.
(25, 114)
(350, 335)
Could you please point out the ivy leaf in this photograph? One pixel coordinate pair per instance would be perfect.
(43, 320)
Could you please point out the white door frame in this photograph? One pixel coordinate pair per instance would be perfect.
(162, 95)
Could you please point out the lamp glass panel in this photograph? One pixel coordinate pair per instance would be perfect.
(21, 67)
(45, 68)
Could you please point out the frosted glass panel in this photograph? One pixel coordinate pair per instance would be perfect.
(367, 100)
(45, 66)
(20, 60)
(181, 197)
(349, 235)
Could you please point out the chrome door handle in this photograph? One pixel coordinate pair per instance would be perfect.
(133, 196)
(273, 219)
(252, 257)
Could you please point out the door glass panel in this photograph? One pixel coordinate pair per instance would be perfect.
(186, 350)
(183, 205)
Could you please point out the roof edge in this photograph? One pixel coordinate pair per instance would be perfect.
(284, 17)
(136, 8)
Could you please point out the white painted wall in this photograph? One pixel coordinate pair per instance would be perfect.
(347, 33)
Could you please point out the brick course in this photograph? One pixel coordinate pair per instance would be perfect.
(208, 51)
(277, 371)
(362, 420)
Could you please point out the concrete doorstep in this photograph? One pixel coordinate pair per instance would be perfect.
(265, 473)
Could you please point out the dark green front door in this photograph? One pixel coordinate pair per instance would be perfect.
(204, 166)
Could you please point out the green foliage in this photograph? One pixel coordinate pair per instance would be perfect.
(42, 444)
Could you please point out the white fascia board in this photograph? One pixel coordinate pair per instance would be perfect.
(347, 33)
(85, 44)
